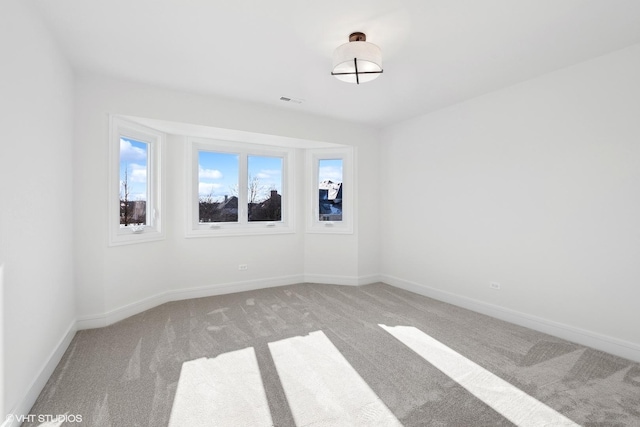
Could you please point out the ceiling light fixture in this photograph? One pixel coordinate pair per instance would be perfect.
(357, 61)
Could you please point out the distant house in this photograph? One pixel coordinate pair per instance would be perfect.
(268, 210)
(229, 207)
(225, 211)
(330, 200)
(133, 212)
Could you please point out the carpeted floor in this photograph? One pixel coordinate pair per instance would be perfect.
(313, 354)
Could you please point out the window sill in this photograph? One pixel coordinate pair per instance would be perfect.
(218, 230)
(135, 235)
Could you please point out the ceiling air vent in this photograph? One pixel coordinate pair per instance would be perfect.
(293, 100)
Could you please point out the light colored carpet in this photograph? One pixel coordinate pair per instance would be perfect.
(323, 355)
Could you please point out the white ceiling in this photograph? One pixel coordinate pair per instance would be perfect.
(435, 52)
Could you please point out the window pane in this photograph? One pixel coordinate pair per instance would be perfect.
(218, 186)
(134, 162)
(264, 192)
(330, 189)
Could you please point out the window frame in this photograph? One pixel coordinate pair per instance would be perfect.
(194, 228)
(314, 225)
(154, 229)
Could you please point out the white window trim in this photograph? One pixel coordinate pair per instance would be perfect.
(243, 227)
(155, 177)
(314, 225)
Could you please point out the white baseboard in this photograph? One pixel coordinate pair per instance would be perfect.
(113, 316)
(605, 343)
(110, 317)
(24, 405)
(330, 279)
(367, 280)
(229, 288)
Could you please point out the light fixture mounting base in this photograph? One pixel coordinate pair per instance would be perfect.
(357, 37)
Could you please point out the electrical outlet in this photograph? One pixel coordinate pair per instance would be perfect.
(243, 267)
(494, 285)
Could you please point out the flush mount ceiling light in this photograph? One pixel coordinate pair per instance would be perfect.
(357, 61)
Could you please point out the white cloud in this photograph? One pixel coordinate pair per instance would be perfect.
(129, 153)
(330, 172)
(209, 173)
(136, 182)
(137, 173)
(206, 188)
(266, 174)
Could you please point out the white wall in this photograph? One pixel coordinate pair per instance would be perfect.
(105, 275)
(537, 187)
(36, 134)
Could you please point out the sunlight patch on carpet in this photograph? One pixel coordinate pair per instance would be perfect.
(224, 391)
(322, 388)
(509, 401)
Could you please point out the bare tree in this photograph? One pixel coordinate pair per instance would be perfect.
(208, 198)
(233, 190)
(255, 190)
(125, 208)
(207, 207)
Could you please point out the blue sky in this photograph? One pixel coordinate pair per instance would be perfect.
(134, 160)
(218, 174)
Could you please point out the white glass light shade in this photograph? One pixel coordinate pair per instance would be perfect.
(367, 57)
